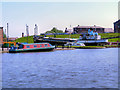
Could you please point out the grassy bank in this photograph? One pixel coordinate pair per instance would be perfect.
(114, 40)
(65, 36)
(111, 46)
(103, 35)
(24, 39)
(107, 35)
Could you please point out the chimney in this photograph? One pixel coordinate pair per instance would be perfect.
(22, 34)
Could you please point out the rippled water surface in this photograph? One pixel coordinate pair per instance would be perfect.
(80, 68)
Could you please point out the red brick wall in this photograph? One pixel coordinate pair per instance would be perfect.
(117, 27)
(1, 35)
(83, 30)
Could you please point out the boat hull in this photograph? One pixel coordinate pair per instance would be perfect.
(31, 50)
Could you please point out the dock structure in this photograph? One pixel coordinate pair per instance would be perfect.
(65, 49)
(63, 41)
(4, 50)
(53, 41)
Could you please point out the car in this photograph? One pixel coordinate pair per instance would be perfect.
(74, 44)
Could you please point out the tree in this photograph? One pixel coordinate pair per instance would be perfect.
(54, 30)
(4, 35)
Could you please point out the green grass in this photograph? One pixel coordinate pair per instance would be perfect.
(107, 35)
(114, 40)
(103, 35)
(108, 46)
(65, 36)
(24, 39)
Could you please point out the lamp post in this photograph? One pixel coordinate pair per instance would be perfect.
(7, 36)
(70, 32)
(95, 27)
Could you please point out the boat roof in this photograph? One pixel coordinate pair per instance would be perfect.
(32, 43)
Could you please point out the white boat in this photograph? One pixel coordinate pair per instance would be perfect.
(92, 39)
(74, 44)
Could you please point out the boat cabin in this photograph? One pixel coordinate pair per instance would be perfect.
(32, 45)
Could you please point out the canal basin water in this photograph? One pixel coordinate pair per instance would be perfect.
(80, 68)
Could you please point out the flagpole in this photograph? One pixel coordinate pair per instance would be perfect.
(7, 37)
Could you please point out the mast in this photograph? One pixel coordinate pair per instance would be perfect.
(7, 35)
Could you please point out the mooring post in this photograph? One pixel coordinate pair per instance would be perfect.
(2, 48)
(67, 46)
(70, 45)
(55, 46)
(62, 46)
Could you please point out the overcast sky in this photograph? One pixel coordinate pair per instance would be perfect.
(56, 14)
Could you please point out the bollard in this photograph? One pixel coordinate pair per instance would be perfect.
(62, 46)
(2, 48)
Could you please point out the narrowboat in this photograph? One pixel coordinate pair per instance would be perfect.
(31, 47)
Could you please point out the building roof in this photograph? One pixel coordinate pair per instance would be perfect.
(88, 27)
(12, 38)
(1, 27)
(32, 43)
(109, 30)
(117, 21)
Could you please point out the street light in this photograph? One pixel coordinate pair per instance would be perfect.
(7, 37)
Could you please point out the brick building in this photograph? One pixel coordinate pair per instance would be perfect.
(1, 36)
(117, 26)
(83, 29)
(109, 30)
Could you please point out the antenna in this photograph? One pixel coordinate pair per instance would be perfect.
(7, 37)
(7, 31)
(70, 31)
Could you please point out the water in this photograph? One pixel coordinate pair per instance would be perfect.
(80, 68)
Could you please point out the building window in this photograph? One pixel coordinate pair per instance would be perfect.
(46, 45)
(35, 46)
(27, 46)
(118, 26)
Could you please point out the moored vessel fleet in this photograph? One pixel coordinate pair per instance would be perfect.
(46, 43)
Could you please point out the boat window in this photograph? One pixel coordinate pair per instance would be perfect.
(27, 46)
(46, 45)
(35, 45)
(20, 47)
(40, 45)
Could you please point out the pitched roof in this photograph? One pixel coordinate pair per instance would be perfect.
(32, 43)
(88, 27)
(117, 21)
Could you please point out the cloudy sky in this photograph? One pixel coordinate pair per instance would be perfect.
(56, 14)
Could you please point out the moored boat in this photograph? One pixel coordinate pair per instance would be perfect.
(31, 47)
(91, 38)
